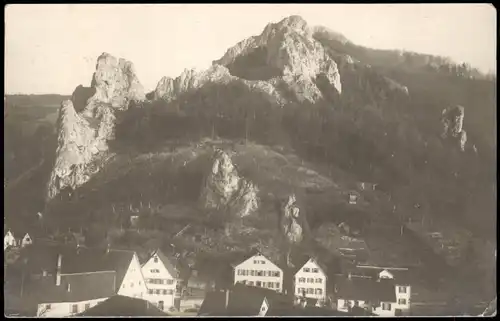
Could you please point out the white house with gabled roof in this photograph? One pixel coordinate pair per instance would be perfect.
(9, 240)
(161, 278)
(309, 279)
(80, 278)
(257, 270)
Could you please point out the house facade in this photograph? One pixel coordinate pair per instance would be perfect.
(310, 281)
(403, 292)
(26, 240)
(82, 279)
(161, 279)
(9, 240)
(258, 270)
(377, 296)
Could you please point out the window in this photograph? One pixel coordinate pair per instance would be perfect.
(263, 308)
(239, 272)
(164, 292)
(48, 306)
(260, 273)
(277, 273)
(170, 291)
(139, 282)
(302, 280)
(87, 306)
(155, 259)
(277, 285)
(157, 292)
(319, 291)
(402, 301)
(310, 280)
(252, 272)
(262, 262)
(258, 283)
(155, 271)
(150, 291)
(170, 281)
(270, 285)
(306, 269)
(255, 262)
(402, 289)
(386, 306)
(74, 308)
(131, 284)
(250, 282)
(319, 280)
(299, 291)
(310, 291)
(315, 270)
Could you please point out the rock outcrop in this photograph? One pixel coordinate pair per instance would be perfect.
(452, 120)
(85, 129)
(290, 221)
(224, 189)
(169, 89)
(291, 49)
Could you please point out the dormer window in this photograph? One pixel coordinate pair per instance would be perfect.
(307, 270)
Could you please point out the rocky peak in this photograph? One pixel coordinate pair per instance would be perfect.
(224, 188)
(291, 221)
(291, 49)
(452, 119)
(87, 122)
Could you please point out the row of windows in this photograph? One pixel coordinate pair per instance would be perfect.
(269, 285)
(259, 262)
(160, 281)
(159, 292)
(154, 271)
(302, 291)
(73, 308)
(258, 273)
(314, 270)
(310, 280)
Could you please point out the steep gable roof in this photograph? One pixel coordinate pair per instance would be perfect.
(167, 262)
(81, 287)
(84, 260)
(118, 306)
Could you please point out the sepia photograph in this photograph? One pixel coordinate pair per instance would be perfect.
(250, 160)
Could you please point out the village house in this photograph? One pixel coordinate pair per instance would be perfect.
(12, 240)
(239, 300)
(81, 278)
(398, 278)
(9, 240)
(309, 279)
(259, 271)
(161, 277)
(375, 296)
(117, 306)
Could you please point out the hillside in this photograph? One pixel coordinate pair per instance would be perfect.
(298, 115)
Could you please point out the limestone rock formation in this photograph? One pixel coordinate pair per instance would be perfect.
(292, 50)
(85, 129)
(169, 89)
(452, 120)
(290, 222)
(224, 189)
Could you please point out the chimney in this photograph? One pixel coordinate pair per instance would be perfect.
(227, 299)
(58, 271)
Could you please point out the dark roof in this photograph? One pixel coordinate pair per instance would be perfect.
(310, 311)
(81, 287)
(118, 306)
(275, 299)
(84, 260)
(242, 302)
(366, 289)
(167, 262)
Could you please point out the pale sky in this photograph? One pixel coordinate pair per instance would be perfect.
(53, 48)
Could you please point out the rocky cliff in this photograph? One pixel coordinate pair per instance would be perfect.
(289, 49)
(290, 221)
(87, 122)
(452, 120)
(225, 189)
